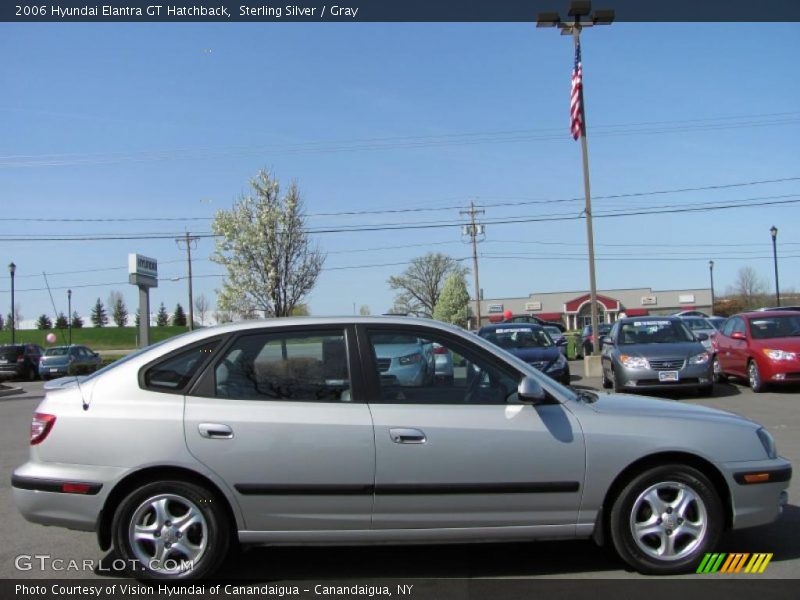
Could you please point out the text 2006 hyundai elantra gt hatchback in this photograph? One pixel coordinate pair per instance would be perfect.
(292, 432)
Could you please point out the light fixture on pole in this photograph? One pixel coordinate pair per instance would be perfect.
(69, 315)
(581, 17)
(711, 273)
(12, 268)
(773, 231)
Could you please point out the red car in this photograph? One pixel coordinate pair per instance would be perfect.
(762, 347)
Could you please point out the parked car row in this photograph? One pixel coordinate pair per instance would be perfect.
(30, 361)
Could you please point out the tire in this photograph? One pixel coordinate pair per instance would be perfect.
(719, 376)
(205, 539)
(607, 383)
(754, 377)
(664, 499)
(618, 387)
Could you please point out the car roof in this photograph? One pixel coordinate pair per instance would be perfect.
(765, 314)
(653, 318)
(494, 326)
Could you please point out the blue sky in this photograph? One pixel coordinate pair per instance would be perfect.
(171, 120)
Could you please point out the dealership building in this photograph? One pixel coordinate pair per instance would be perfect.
(573, 309)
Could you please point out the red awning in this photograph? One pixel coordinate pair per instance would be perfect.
(550, 316)
(636, 312)
(496, 318)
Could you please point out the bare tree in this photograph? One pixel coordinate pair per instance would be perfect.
(421, 283)
(201, 307)
(271, 262)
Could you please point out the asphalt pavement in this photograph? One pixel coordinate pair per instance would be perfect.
(778, 410)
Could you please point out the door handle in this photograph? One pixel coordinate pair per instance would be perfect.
(215, 431)
(407, 435)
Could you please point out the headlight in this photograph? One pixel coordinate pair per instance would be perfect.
(634, 362)
(779, 354)
(699, 359)
(768, 442)
(410, 359)
(559, 364)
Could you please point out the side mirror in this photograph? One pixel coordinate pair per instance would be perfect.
(530, 392)
(702, 337)
(562, 341)
(606, 340)
(738, 335)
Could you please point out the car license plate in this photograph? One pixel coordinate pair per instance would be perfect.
(668, 376)
(54, 370)
(3, 361)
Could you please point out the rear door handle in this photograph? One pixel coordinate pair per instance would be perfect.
(407, 435)
(215, 431)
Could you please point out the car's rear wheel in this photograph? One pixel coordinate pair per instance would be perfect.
(754, 377)
(171, 530)
(719, 376)
(666, 519)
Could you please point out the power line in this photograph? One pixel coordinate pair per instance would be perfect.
(522, 202)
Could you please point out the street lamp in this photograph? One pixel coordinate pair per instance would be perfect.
(12, 268)
(711, 272)
(69, 315)
(581, 15)
(773, 231)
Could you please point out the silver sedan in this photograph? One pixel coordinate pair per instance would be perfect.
(285, 432)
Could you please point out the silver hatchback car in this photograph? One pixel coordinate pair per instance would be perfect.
(286, 432)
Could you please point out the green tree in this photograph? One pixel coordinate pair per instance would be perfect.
(301, 310)
(420, 285)
(264, 246)
(364, 310)
(44, 322)
(99, 318)
(162, 317)
(61, 321)
(179, 317)
(119, 312)
(136, 318)
(77, 322)
(453, 304)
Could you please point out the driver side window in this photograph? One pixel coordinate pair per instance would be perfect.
(418, 368)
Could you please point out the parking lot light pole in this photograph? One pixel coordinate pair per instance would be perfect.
(773, 231)
(69, 315)
(12, 268)
(711, 273)
(581, 15)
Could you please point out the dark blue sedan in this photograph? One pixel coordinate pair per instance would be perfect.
(532, 344)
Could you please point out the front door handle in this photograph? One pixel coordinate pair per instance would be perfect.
(407, 435)
(218, 431)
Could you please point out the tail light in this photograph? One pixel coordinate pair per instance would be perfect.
(41, 424)
(439, 350)
(21, 358)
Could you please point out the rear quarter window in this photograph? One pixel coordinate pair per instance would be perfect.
(173, 372)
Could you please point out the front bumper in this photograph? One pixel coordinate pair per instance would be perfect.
(758, 503)
(689, 376)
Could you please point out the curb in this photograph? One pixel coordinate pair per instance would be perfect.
(10, 391)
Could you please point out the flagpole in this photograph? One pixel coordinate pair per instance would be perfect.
(576, 36)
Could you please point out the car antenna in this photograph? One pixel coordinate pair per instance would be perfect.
(55, 312)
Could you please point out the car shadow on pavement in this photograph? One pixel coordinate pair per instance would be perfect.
(779, 537)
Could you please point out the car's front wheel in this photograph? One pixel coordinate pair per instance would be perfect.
(754, 377)
(719, 376)
(666, 519)
(171, 530)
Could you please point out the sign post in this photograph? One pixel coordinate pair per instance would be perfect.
(143, 273)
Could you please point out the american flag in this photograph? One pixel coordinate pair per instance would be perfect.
(576, 99)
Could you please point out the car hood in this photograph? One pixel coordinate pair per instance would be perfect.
(629, 404)
(788, 344)
(396, 350)
(535, 354)
(684, 349)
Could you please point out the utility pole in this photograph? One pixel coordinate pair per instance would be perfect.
(474, 230)
(189, 240)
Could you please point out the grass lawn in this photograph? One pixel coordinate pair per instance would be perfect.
(97, 338)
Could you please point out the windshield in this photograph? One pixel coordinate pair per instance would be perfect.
(654, 332)
(775, 327)
(697, 323)
(553, 331)
(519, 338)
(58, 351)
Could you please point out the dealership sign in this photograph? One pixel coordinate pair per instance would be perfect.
(495, 308)
(533, 306)
(649, 300)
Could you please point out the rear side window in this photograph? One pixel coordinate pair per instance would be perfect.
(174, 372)
(297, 366)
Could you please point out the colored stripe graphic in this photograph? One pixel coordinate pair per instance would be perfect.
(734, 562)
(758, 563)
